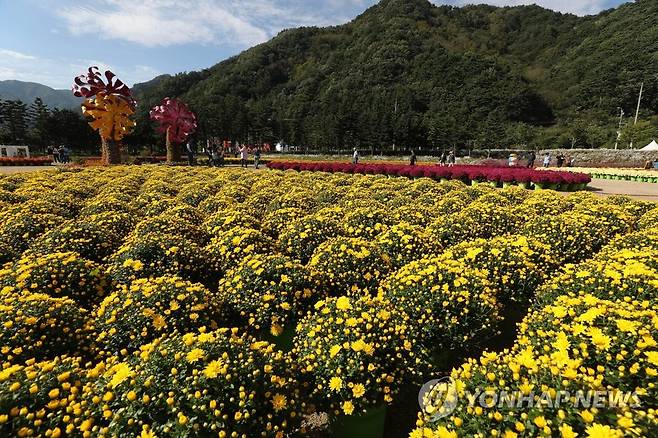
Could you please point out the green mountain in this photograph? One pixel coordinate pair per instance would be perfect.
(143, 86)
(28, 91)
(411, 74)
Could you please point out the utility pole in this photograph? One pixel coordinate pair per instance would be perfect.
(621, 120)
(637, 111)
(395, 117)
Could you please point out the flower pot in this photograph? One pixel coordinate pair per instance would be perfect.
(524, 185)
(368, 425)
(284, 341)
(554, 186)
(508, 184)
(543, 186)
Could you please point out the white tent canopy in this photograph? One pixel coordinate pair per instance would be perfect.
(653, 146)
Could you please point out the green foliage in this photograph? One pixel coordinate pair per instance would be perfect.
(40, 126)
(410, 74)
(638, 135)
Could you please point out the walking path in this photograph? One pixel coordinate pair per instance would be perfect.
(7, 170)
(637, 190)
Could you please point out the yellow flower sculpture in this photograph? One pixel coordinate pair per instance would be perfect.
(110, 114)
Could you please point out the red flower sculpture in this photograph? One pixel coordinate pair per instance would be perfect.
(174, 116)
(90, 84)
(176, 121)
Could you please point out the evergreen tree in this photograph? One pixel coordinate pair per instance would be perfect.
(38, 116)
(14, 120)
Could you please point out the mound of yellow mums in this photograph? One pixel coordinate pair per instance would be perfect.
(152, 301)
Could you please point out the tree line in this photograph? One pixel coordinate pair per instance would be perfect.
(38, 126)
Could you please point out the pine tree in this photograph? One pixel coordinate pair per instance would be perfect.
(38, 114)
(15, 119)
(4, 132)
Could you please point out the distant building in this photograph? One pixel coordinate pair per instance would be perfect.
(7, 151)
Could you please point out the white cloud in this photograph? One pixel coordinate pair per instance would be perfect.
(58, 73)
(235, 23)
(155, 23)
(15, 55)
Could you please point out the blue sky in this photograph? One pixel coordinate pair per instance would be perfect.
(51, 41)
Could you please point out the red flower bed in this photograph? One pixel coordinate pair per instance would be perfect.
(24, 161)
(516, 175)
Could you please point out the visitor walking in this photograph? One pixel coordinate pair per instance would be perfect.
(60, 154)
(217, 160)
(451, 159)
(190, 151)
(547, 160)
(65, 154)
(560, 160)
(50, 151)
(244, 155)
(532, 157)
(257, 157)
(355, 156)
(208, 151)
(412, 160)
(443, 158)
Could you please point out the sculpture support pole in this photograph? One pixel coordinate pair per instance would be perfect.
(173, 150)
(110, 151)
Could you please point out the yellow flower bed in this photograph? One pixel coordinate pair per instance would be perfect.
(141, 301)
(615, 173)
(571, 348)
(593, 332)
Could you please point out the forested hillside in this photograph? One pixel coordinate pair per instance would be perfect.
(410, 74)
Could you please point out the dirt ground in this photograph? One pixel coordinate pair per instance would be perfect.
(637, 190)
(8, 170)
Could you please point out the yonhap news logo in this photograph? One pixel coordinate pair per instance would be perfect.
(440, 397)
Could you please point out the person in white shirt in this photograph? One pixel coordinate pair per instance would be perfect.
(547, 160)
(244, 155)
